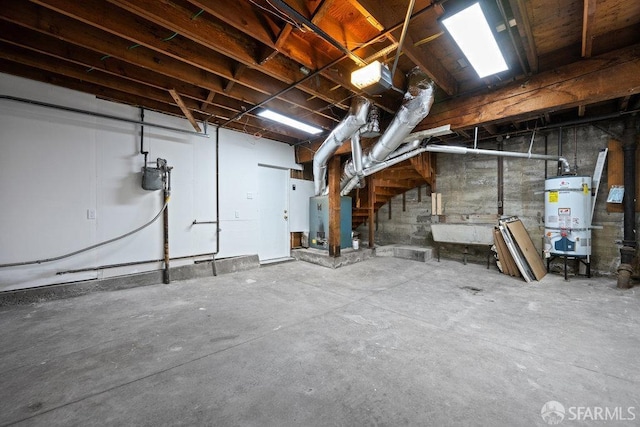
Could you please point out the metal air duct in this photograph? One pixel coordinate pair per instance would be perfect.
(356, 118)
(415, 107)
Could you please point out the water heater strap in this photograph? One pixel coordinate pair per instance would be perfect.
(567, 229)
(566, 190)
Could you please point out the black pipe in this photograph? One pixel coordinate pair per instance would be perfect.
(629, 244)
(546, 152)
(559, 171)
(166, 277)
(629, 149)
(217, 190)
(129, 264)
(583, 121)
(101, 115)
(501, 180)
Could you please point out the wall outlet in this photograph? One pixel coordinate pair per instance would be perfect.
(249, 195)
(237, 214)
(91, 214)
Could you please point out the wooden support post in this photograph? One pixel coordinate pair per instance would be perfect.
(372, 214)
(419, 193)
(404, 201)
(334, 206)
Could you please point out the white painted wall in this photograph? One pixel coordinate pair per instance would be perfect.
(55, 166)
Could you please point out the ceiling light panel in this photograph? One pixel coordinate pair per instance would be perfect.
(285, 120)
(470, 30)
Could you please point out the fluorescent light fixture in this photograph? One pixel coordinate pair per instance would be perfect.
(277, 117)
(374, 78)
(470, 29)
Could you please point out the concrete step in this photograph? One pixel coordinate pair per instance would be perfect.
(414, 253)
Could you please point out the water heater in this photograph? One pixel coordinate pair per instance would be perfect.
(567, 215)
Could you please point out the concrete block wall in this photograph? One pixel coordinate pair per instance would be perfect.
(411, 227)
(468, 184)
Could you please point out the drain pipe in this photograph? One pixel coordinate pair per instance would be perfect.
(215, 273)
(166, 277)
(628, 249)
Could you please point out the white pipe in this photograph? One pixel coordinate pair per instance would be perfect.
(353, 182)
(463, 150)
(448, 149)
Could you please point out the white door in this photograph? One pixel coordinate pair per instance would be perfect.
(274, 215)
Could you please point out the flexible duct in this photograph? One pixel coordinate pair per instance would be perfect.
(415, 107)
(356, 118)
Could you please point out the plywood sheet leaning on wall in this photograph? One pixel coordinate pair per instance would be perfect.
(531, 255)
(514, 251)
(504, 256)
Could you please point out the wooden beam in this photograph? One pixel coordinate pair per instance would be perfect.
(423, 56)
(425, 59)
(588, 22)
(588, 81)
(334, 173)
(207, 101)
(582, 109)
(185, 60)
(238, 70)
(521, 15)
(367, 15)
(372, 212)
(99, 91)
(212, 36)
(185, 110)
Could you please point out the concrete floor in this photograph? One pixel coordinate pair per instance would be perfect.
(382, 342)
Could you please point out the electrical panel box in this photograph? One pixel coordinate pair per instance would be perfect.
(319, 222)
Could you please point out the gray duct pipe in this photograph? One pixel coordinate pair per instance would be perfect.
(356, 154)
(356, 118)
(347, 184)
(415, 106)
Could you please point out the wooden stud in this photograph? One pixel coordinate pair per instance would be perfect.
(334, 173)
(185, 110)
(373, 217)
(588, 21)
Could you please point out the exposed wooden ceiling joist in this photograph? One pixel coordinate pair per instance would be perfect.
(226, 57)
